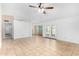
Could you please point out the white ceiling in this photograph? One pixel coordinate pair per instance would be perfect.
(23, 12)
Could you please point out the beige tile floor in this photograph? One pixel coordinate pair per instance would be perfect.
(38, 46)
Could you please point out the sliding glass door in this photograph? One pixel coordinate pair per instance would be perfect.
(49, 31)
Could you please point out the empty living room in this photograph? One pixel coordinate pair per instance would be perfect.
(39, 29)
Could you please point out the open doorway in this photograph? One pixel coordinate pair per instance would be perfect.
(37, 30)
(7, 29)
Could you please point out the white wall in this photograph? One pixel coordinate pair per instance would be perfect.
(17, 10)
(0, 26)
(22, 26)
(22, 29)
(64, 18)
(67, 29)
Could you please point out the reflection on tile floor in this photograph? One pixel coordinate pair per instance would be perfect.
(38, 46)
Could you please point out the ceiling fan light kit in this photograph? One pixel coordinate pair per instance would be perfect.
(41, 10)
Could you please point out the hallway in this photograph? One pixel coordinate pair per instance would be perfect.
(38, 46)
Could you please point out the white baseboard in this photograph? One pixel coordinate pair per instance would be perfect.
(71, 41)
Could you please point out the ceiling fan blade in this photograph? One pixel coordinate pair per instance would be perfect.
(32, 6)
(49, 8)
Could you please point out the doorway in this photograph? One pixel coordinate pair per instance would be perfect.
(50, 31)
(7, 29)
(37, 30)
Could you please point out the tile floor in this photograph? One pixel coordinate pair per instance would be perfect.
(38, 46)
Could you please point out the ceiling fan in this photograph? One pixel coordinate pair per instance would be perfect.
(43, 8)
